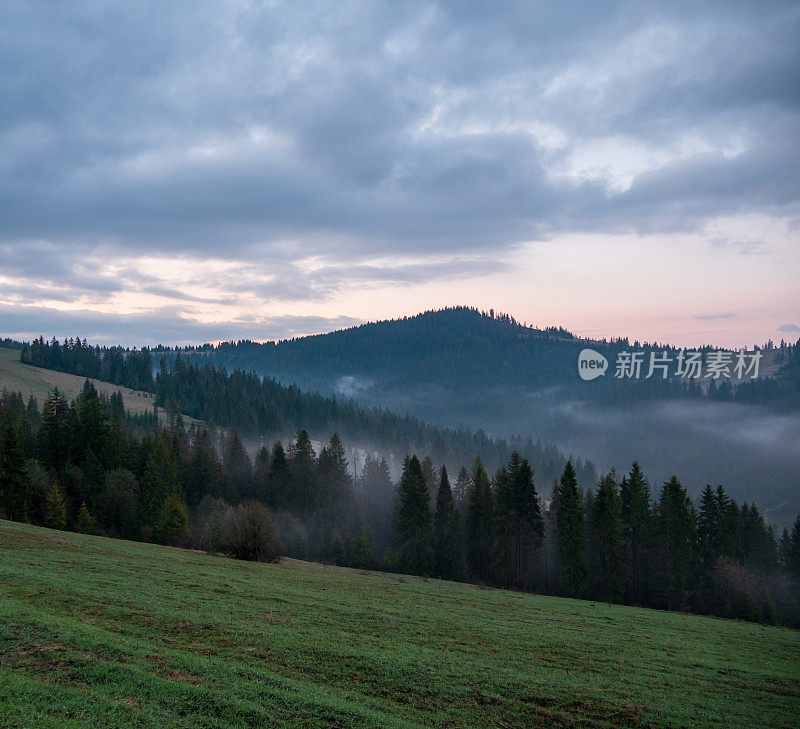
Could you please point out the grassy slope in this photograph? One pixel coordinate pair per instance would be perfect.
(36, 381)
(106, 633)
(18, 377)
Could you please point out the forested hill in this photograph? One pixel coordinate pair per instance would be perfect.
(262, 408)
(483, 370)
(461, 349)
(462, 346)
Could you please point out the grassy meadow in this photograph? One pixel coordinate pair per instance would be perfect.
(96, 632)
(39, 382)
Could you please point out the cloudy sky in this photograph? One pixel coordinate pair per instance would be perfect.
(188, 171)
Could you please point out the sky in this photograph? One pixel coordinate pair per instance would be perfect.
(186, 172)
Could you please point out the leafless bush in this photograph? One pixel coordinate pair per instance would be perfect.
(249, 532)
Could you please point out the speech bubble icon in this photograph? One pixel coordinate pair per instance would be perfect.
(591, 364)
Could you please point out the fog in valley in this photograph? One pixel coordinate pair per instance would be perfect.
(751, 451)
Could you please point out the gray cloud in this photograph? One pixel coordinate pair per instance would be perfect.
(276, 132)
(710, 317)
(789, 328)
(166, 325)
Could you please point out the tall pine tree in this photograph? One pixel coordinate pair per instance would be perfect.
(413, 526)
(520, 528)
(303, 469)
(446, 532)
(676, 543)
(569, 534)
(794, 550)
(607, 541)
(637, 520)
(480, 525)
(13, 482)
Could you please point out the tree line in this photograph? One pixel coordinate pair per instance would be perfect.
(613, 543)
(90, 467)
(463, 348)
(460, 348)
(259, 406)
(121, 366)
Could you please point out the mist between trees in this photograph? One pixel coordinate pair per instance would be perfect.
(89, 466)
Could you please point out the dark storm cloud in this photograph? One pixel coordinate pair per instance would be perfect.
(356, 130)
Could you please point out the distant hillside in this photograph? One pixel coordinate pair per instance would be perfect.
(460, 350)
(261, 409)
(461, 346)
(16, 376)
(487, 371)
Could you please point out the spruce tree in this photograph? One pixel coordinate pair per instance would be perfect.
(85, 523)
(162, 476)
(32, 411)
(238, 466)
(173, 524)
(279, 482)
(709, 530)
(794, 550)
(530, 510)
(90, 427)
(335, 493)
(431, 477)
(569, 534)
(480, 525)
(261, 467)
(729, 524)
(520, 528)
(303, 470)
(413, 525)
(677, 544)
(505, 527)
(120, 505)
(363, 551)
(785, 549)
(376, 494)
(637, 524)
(52, 434)
(446, 536)
(607, 541)
(55, 508)
(204, 471)
(13, 483)
(461, 489)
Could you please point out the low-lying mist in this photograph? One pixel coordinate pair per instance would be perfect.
(754, 453)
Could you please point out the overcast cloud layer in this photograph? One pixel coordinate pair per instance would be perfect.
(197, 171)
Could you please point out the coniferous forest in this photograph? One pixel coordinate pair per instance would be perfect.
(259, 407)
(476, 348)
(89, 466)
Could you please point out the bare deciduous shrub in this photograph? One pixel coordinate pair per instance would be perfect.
(249, 532)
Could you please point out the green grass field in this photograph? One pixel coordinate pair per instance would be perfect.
(39, 382)
(107, 633)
